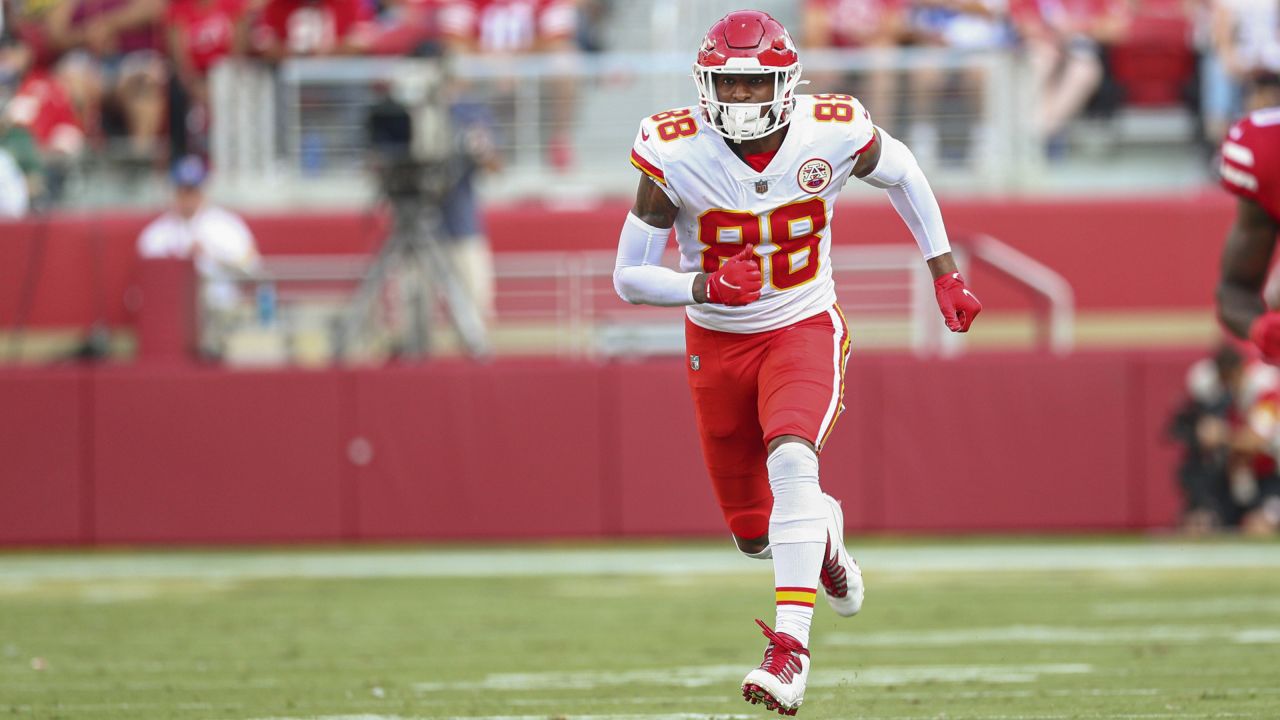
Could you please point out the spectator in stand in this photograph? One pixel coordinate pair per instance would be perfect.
(217, 240)
(1065, 41)
(27, 20)
(38, 125)
(200, 34)
(1244, 39)
(511, 28)
(292, 28)
(1203, 425)
(592, 18)
(17, 141)
(1254, 481)
(873, 25)
(1230, 429)
(113, 67)
(962, 26)
(402, 27)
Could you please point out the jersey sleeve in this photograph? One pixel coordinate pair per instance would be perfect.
(648, 160)
(861, 130)
(1250, 155)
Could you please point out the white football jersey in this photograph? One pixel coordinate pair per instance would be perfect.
(785, 211)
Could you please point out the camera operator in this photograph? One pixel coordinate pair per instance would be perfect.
(427, 159)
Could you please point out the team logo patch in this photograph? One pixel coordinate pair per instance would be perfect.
(814, 175)
(695, 362)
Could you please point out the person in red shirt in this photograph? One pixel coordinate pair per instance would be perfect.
(200, 33)
(518, 27)
(112, 61)
(1064, 41)
(42, 106)
(847, 24)
(289, 28)
(1250, 170)
(508, 26)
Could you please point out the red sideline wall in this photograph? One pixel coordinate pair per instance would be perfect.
(1117, 254)
(521, 449)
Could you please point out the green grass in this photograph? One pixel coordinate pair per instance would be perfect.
(1134, 642)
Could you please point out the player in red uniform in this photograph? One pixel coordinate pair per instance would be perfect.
(1251, 171)
(749, 178)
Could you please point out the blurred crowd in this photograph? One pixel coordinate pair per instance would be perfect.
(1229, 430)
(1086, 56)
(127, 80)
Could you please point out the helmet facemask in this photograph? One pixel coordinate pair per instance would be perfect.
(747, 121)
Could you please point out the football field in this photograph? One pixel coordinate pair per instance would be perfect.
(985, 628)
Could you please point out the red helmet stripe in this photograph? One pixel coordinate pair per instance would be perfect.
(748, 34)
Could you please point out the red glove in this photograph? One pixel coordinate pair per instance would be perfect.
(959, 306)
(738, 281)
(1265, 333)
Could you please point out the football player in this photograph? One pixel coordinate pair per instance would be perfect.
(749, 179)
(1250, 170)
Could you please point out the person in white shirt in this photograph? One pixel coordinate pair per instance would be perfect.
(217, 240)
(14, 201)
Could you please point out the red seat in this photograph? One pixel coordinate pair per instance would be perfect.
(1155, 62)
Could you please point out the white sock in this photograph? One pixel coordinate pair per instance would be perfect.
(797, 536)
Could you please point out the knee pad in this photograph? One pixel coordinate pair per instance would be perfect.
(799, 511)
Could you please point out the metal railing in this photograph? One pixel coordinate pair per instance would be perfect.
(298, 132)
(1050, 294)
(563, 303)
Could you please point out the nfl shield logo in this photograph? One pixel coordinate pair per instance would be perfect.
(695, 362)
(762, 187)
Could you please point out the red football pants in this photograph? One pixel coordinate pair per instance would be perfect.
(751, 388)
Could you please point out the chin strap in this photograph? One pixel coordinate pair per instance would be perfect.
(738, 117)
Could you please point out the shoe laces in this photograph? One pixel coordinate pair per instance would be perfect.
(781, 657)
(834, 578)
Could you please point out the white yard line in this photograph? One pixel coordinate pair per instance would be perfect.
(759, 716)
(665, 716)
(434, 562)
(1056, 635)
(1184, 608)
(719, 675)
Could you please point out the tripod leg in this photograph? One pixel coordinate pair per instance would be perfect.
(356, 321)
(463, 312)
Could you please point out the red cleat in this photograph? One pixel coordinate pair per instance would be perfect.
(780, 680)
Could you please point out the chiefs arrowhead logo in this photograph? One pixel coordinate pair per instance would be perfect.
(814, 176)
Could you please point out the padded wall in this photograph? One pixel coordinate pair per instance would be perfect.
(536, 449)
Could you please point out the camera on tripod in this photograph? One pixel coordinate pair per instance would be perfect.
(419, 167)
(410, 141)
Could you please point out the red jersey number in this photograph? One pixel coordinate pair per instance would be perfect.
(674, 124)
(793, 229)
(833, 108)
